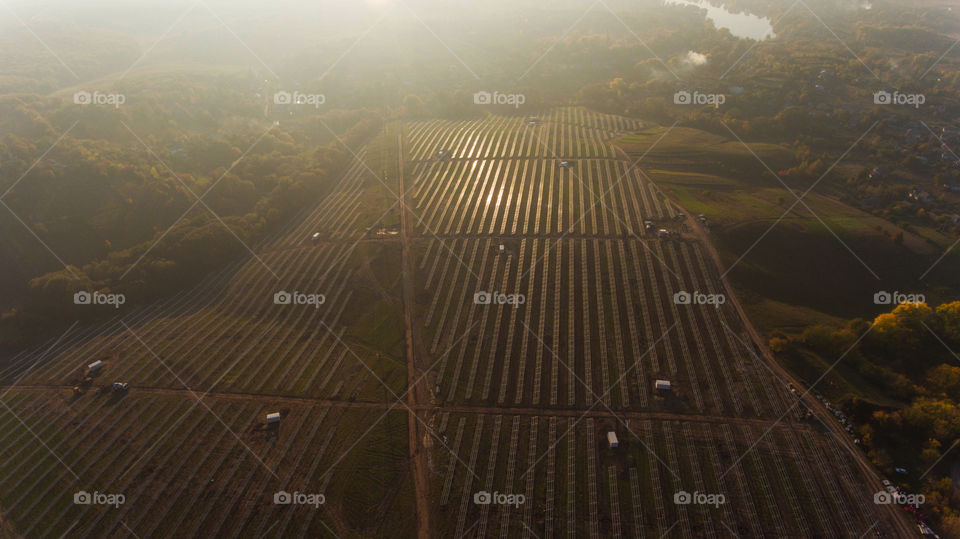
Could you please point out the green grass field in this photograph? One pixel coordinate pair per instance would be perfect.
(713, 175)
(683, 147)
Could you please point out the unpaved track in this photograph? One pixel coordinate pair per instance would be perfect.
(598, 413)
(418, 436)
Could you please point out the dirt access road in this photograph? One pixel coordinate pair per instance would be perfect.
(416, 392)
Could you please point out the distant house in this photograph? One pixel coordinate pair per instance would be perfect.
(921, 196)
(878, 173)
(950, 134)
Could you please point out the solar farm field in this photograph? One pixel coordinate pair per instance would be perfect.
(463, 340)
(548, 284)
(575, 486)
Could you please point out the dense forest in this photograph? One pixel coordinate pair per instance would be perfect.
(909, 356)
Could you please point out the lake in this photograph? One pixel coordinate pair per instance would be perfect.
(743, 25)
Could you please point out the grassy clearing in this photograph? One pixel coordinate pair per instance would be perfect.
(686, 147)
(371, 484)
(707, 174)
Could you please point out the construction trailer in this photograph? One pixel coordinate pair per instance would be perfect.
(662, 385)
(95, 366)
(273, 418)
(612, 440)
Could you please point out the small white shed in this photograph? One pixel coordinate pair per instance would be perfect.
(612, 440)
(663, 385)
(502, 249)
(95, 366)
(273, 417)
